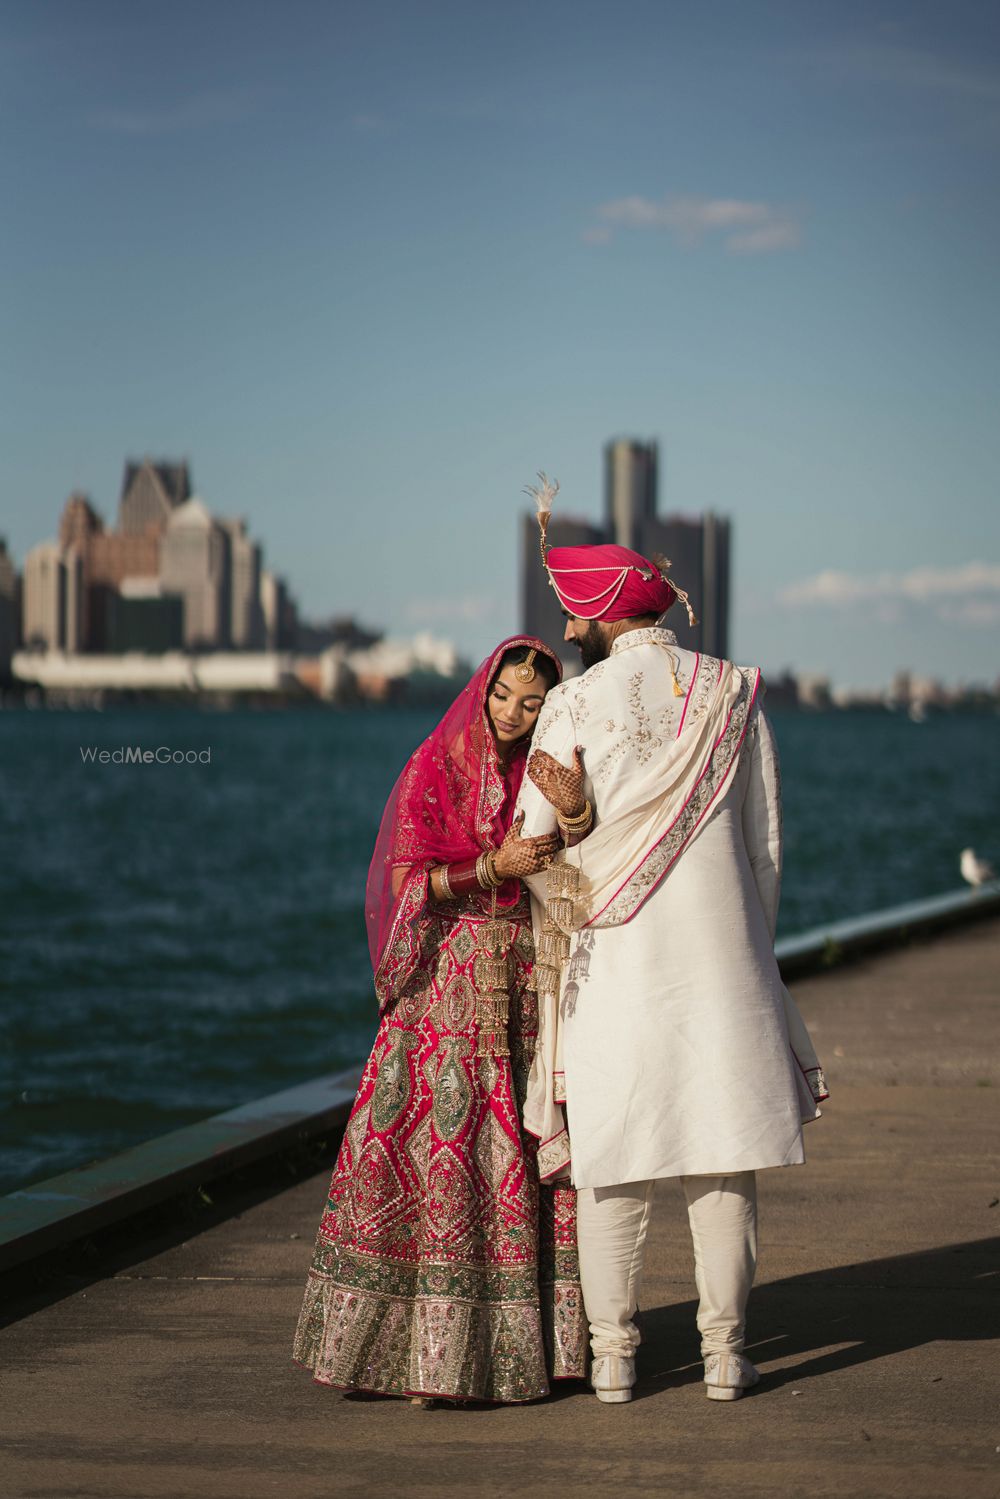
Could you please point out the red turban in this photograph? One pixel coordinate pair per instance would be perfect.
(607, 582)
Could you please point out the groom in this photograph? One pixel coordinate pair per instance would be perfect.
(668, 1046)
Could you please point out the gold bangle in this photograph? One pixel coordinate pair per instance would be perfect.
(491, 868)
(581, 820)
(578, 830)
(446, 891)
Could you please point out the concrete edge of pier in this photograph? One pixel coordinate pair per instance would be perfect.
(78, 1203)
(51, 1214)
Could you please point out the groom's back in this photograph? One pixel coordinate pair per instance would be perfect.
(626, 710)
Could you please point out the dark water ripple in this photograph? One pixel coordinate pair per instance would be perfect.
(878, 809)
(175, 940)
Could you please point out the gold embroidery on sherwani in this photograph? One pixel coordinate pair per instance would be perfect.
(661, 856)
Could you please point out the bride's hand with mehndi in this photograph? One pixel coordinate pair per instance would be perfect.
(517, 857)
(561, 785)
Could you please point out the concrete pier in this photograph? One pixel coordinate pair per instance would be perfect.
(166, 1371)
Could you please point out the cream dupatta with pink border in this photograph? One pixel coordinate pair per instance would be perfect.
(604, 880)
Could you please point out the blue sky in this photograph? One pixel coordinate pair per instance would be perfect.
(370, 267)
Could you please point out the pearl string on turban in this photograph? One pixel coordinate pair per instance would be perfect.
(603, 582)
(607, 582)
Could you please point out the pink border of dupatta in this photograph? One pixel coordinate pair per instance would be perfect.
(744, 705)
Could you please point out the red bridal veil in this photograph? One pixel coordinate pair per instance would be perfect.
(453, 800)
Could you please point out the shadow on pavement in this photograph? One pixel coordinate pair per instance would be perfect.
(841, 1317)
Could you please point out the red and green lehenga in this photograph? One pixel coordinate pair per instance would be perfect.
(442, 1267)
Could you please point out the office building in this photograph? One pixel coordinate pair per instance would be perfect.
(698, 548)
(246, 624)
(150, 493)
(280, 615)
(541, 612)
(107, 557)
(140, 617)
(195, 563)
(630, 484)
(53, 598)
(10, 614)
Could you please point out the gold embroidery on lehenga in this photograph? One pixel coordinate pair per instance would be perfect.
(459, 1003)
(376, 1194)
(418, 1151)
(452, 1202)
(461, 943)
(495, 1152)
(393, 1085)
(452, 1089)
(429, 1258)
(488, 1073)
(356, 1131)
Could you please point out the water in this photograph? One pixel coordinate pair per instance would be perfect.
(175, 940)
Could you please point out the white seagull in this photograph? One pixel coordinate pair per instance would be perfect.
(975, 871)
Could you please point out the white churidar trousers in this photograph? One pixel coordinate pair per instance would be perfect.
(612, 1223)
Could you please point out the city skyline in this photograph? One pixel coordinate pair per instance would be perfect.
(370, 271)
(167, 574)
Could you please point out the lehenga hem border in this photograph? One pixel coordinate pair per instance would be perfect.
(361, 1389)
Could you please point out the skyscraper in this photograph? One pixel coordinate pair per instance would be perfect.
(150, 492)
(697, 546)
(540, 610)
(630, 481)
(196, 562)
(247, 617)
(108, 557)
(9, 612)
(280, 614)
(53, 597)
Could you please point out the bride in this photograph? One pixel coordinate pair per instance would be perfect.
(442, 1269)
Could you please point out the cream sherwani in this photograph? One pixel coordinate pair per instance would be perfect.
(683, 1053)
(666, 1034)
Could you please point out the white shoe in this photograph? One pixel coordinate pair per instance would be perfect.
(727, 1375)
(612, 1377)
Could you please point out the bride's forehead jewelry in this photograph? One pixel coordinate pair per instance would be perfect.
(525, 670)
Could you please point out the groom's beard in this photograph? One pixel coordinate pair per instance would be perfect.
(592, 646)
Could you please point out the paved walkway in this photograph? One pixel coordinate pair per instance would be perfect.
(877, 1294)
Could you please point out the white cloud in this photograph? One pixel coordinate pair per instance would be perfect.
(982, 614)
(968, 594)
(746, 227)
(466, 610)
(370, 124)
(912, 68)
(785, 235)
(218, 107)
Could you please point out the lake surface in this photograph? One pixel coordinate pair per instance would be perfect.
(177, 939)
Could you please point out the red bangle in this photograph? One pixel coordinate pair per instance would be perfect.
(462, 878)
